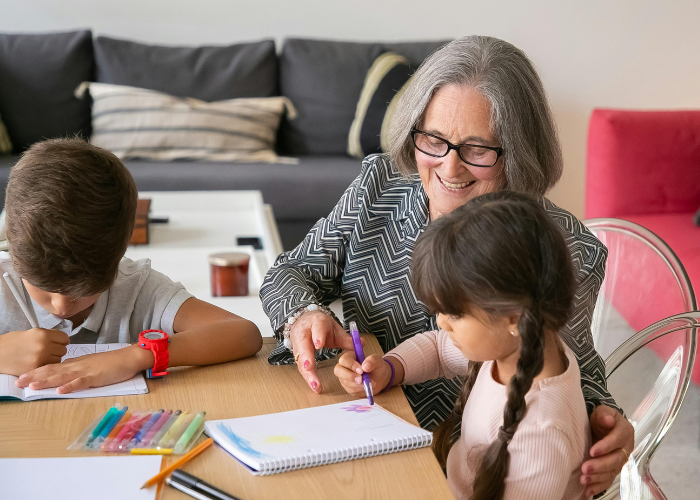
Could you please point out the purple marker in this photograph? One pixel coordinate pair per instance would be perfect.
(146, 440)
(360, 356)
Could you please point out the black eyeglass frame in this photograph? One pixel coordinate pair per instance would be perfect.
(450, 146)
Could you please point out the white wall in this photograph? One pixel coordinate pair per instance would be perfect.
(595, 53)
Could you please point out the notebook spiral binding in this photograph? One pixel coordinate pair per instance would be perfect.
(344, 454)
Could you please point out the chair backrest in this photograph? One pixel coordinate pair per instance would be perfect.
(655, 415)
(644, 283)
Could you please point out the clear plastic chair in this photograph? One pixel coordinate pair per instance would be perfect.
(644, 283)
(645, 290)
(655, 415)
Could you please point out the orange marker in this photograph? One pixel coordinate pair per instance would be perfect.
(125, 418)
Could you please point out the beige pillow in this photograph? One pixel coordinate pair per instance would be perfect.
(5, 144)
(139, 123)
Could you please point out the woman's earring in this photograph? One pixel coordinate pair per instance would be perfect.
(512, 333)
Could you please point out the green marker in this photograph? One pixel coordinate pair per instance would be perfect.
(170, 437)
(96, 431)
(189, 432)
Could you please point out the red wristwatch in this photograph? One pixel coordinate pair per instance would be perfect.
(157, 342)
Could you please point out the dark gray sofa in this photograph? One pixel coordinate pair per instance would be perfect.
(322, 78)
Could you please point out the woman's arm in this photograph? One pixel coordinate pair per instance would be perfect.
(312, 274)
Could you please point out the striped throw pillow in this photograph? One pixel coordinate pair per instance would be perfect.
(383, 87)
(5, 144)
(140, 123)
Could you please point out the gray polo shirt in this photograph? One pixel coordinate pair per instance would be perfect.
(139, 299)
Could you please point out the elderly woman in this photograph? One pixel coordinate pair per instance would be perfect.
(473, 119)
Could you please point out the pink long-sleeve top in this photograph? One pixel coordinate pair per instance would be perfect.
(550, 444)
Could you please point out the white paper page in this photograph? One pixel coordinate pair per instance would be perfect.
(8, 387)
(135, 385)
(310, 431)
(78, 478)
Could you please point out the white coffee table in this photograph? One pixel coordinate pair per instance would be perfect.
(205, 222)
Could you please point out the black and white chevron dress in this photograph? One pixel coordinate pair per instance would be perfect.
(361, 253)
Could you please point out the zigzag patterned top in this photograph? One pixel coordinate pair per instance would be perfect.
(361, 253)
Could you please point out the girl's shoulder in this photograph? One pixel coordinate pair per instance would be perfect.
(557, 402)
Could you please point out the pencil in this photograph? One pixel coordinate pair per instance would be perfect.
(20, 300)
(193, 453)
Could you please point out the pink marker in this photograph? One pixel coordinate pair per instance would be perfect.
(128, 431)
(156, 427)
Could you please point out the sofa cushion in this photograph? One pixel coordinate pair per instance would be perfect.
(324, 80)
(383, 87)
(292, 190)
(38, 75)
(5, 143)
(140, 123)
(642, 162)
(205, 73)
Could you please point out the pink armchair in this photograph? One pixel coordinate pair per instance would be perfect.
(644, 166)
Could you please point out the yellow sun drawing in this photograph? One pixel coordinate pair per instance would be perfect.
(279, 439)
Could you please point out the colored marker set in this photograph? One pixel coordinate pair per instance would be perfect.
(161, 432)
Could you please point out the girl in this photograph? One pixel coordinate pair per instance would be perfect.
(498, 273)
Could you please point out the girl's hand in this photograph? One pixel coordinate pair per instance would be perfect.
(92, 370)
(349, 372)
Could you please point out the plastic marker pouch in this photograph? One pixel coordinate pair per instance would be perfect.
(107, 429)
(156, 439)
(174, 433)
(154, 417)
(191, 430)
(103, 423)
(146, 440)
(360, 356)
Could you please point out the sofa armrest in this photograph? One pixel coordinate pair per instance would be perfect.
(642, 162)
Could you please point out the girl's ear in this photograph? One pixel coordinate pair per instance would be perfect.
(513, 321)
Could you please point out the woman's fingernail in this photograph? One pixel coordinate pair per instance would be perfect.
(306, 365)
(358, 380)
(359, 370)
(24, 375)
(317, 343)
(314, 385)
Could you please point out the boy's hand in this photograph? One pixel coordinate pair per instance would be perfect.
(22, 351)
(92, 370)
(349, 372)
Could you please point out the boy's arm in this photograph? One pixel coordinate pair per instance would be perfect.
(207, 335)
(21, 351)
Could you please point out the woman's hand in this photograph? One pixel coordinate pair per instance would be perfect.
(349, 372)
(314, 330)
(611, 434)
(92, 370)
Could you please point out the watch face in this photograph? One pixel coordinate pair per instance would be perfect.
(154, 335)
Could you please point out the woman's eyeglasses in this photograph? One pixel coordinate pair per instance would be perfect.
(477, 156)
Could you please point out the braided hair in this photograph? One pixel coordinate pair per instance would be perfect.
(500, 253)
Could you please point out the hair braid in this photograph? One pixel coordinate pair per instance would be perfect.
(442, 435)
(489, 483)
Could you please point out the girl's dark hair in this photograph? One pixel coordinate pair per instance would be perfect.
(502, 254)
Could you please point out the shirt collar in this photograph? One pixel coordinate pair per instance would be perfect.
(93, 322)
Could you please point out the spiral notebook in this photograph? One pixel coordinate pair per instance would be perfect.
(280, 442)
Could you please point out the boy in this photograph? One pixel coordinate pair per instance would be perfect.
(70, 213)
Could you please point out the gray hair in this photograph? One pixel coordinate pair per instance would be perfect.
(520, 114)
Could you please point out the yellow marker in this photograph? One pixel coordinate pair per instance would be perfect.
(151, 451)
(176, 429)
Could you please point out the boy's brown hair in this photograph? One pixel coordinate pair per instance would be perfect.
(70, 213)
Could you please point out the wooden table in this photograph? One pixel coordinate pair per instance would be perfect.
(238, 389)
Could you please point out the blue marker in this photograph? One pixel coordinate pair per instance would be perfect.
(146, 427)
(108, 428)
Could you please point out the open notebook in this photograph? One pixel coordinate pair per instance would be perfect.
(135, 385)
(280, 442)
